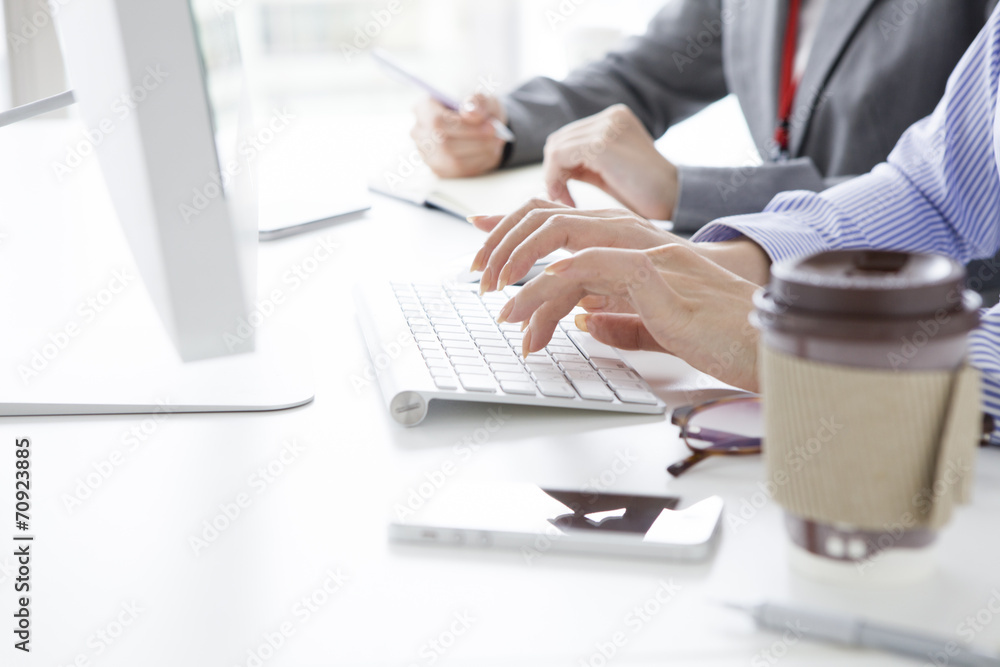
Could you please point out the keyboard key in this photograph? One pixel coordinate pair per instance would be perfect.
(440, 307)
(541, 367)
(595, 391)
(442, 371)
(505, 368)
(575, 357)
(576, 367)
(523, 388)
(638, 386)
(636, 396)
(447, 335)
(459, 360)
(591, 347)
(548, 376)
(482, 383)
(500, 356)
(441, 310)
(611, 364)
(497, 347)
(489, 338)
(457, 355)
(556, 388)
(511, 363)
(613, 376)
(514, 376)
(434, 362)
(470, 369)
(584, 376)
(446, 383)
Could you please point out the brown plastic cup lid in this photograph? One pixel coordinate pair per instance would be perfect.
(867, 295)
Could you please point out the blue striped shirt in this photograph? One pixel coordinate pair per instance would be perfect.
(939, 191)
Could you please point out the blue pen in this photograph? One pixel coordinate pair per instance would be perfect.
(501, 130)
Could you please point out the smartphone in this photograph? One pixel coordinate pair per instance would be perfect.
(537, 521)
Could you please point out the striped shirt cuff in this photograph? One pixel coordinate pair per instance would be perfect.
(780, 237)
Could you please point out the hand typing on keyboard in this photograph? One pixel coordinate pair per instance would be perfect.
(679, 302)
(465, 354)
(518, 240)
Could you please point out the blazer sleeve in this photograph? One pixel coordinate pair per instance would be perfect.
(709, 193)
(667, 74)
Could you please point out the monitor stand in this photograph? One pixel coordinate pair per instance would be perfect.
(274, 377)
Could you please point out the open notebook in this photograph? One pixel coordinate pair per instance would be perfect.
(499, 192)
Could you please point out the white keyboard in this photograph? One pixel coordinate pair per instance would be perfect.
(443, 342)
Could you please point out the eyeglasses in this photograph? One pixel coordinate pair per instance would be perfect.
(731, 426)
(734, 426)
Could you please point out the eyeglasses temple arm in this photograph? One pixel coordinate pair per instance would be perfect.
(679, 468)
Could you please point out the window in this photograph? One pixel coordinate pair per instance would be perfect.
(315, 49)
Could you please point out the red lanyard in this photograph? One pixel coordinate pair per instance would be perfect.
(786, 92)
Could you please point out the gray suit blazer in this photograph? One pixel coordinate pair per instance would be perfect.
(876, 67)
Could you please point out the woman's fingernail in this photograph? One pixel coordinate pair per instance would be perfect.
(476, 218)
(505, 312)
(581, 322)
(526, 343)
(555, 268)
(504, 276)
(524, 325)
(484, 281)
(469, 106)
(477, 261)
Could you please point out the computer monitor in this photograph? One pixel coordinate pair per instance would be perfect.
(168, 74)
(142, 65)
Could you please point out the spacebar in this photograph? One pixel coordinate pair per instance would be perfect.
(592, 347)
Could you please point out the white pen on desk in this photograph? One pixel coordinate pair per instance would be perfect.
(855, 631)
(386, 61)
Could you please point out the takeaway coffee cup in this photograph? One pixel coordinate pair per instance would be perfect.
(860, 355)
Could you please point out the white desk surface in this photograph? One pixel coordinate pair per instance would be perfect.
(128, 543)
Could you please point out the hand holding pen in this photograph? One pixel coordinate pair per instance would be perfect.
(455, 139)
